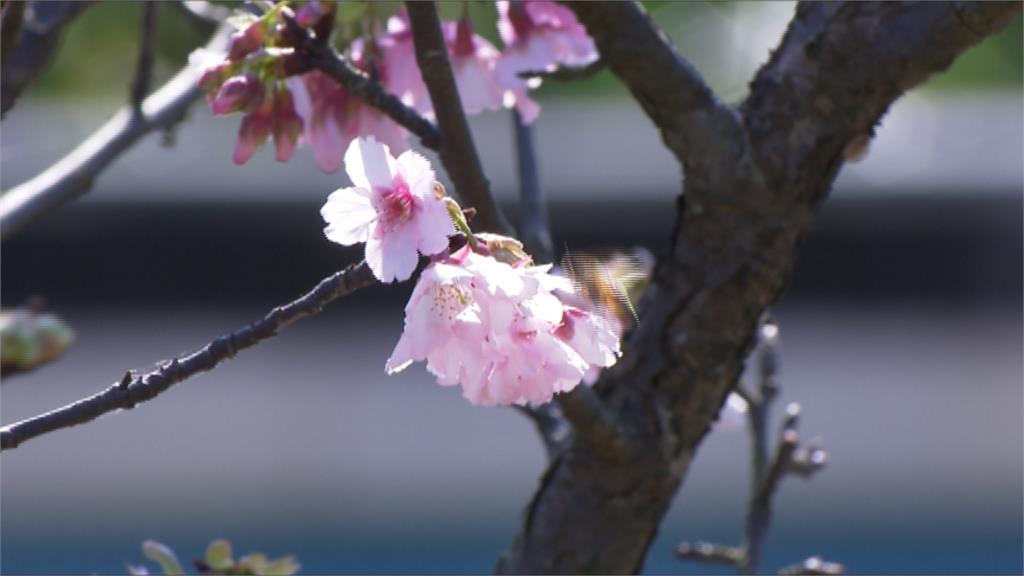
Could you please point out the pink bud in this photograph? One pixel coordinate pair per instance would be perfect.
(242, 93)
(464, 46)
(310, 14)
(287, 125)
(254, 131)
(247, 41)
(212, 78)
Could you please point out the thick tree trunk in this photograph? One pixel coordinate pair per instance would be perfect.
(754, 177)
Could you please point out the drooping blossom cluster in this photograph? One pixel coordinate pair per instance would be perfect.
(263, 77)
(500, 331)
(482, 317)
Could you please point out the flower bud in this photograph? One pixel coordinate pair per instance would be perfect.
(241, 93)
(247, 41)
(212, 78)
(287, 125)
(254, 131)
(310, 14)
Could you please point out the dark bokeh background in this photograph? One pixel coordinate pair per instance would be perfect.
(902, 339)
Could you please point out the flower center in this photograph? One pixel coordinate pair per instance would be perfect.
(396, 206)
(449, 301)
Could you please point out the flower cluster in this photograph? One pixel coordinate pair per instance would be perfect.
(482, 317)
(263, 77)
(500, 331)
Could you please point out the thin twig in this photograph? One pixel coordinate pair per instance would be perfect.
(534, 229)
(147, 48)
(458, 152)
(566, 72)
(764, 476)
(551, 426)
(788, 458)
(132, 390)
(74, 174)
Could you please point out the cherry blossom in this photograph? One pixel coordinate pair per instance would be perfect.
(538, 35)
(392, 207)
(499, 331)
(333, 119)
(472, 60)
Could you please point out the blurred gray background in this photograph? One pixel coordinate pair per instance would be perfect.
(901, 329)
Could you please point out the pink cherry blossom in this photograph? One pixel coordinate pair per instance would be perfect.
(499, 331)
(538, 35)
(392, 207)
(472, 60)
(333, 118)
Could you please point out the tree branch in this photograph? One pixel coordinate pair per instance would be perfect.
(325, 59)
(566, 72)
(144, 65)
(694, 125)
(74, 174)
(534, 229)
(39, 30)
(458, 152)
(132, 390)
(752, 184)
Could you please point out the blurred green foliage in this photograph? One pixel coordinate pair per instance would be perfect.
(97, 54)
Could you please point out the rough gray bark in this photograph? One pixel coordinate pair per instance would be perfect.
(754, 177)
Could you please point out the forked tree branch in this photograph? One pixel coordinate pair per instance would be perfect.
(458, 152)
(74, 174)
(754, 177)
(132, 390)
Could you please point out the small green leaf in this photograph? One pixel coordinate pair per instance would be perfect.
(163, 556)
(218, 555)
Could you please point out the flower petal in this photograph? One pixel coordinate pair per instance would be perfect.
(392, 256)
(368, 163)
(349, 216)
